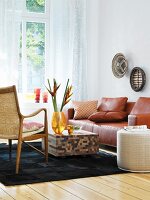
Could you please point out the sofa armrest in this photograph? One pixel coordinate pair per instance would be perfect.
(70, 113)
(139, 119)
(131, 120)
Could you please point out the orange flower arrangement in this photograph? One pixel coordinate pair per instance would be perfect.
(53, 91)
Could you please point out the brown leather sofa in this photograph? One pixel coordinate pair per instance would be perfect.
(138, 114)
(107, 131)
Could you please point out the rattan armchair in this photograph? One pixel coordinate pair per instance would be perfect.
(11, 123)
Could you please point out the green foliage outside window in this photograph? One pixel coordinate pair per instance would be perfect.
(35, 44)
(35, 5)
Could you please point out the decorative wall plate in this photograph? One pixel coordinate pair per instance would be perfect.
(137, 79)
(119, 65)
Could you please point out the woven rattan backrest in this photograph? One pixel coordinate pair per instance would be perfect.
(9, 112)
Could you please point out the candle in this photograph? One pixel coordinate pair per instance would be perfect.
(45, 97)
(37, 92)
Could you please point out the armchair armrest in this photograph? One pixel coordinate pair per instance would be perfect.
(139, 119)
(35, 113)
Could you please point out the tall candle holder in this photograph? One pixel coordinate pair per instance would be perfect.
(37, 92)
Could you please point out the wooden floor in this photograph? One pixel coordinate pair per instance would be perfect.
(123, 186)
(128, 186)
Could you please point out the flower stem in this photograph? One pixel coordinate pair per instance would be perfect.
(62, 105)
(55, 104)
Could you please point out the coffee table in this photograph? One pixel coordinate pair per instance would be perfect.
(79, 143)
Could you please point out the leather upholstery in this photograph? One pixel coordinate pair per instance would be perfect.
(139, 119)
(107, 131)
(112, 104)
(142, 119)
(102, 116)
(141, 106)
(140, 115)
(70, 113)
(131, 120)
(129, 107)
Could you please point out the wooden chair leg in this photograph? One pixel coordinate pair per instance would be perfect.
(18, 155)
(46, 148)
(10, 148)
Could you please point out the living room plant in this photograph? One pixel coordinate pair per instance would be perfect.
(58, 118)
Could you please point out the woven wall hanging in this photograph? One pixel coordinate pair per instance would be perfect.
(119, 65)
(137, 79)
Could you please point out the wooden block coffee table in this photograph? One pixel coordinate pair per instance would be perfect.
(79, 143)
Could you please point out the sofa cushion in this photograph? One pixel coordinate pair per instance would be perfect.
(108, 116)
(142, 106)
(83, 109)
(112, 104)
(129, 107)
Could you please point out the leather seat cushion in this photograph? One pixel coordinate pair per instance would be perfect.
(108, 132)
(108, 116)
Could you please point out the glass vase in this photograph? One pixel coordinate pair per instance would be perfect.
(58, 122)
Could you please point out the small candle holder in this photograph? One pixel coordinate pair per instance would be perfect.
(45, 97)
(70, 129)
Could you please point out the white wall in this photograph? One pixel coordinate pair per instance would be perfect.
(117, 26)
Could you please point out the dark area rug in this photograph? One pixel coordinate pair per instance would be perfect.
(33, 168)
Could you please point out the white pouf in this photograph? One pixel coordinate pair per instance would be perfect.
(133, 150)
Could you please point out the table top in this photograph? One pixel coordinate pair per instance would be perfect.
(75, 133)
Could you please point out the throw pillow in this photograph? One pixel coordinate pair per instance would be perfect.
(112, 104)
(142, 106)
(83, 109)
(108, 116)
(31, 126)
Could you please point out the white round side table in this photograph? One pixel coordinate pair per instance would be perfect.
(133, 150)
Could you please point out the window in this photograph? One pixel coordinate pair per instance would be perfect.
(34, 34)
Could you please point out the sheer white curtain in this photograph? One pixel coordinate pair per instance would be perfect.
(10, 13)
(68, 44)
